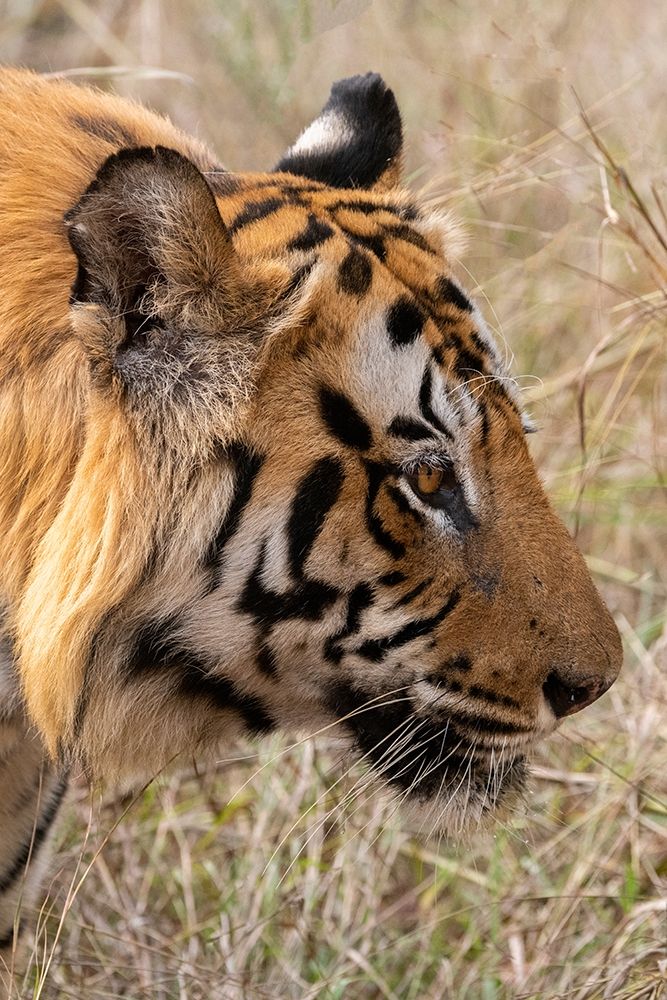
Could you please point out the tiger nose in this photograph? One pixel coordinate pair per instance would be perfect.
(566, 698)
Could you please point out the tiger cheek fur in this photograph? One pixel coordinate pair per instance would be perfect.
(277, 473)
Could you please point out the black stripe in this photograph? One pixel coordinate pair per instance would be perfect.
(497, 389)
(315, 233)
(407, 212)
(106, 129)
(483, 724)
(195, 682)
(392, 579)
(415, 592)
(364, 207)
(309, 600)
(248, 464)
(409, 429)
(343, 420)
(466, 362)
(493, 697)
(447, 291)
(468, 365)
(360, 599)
(462, 664)
(404, 504)
(376, 474)
(316, 495)
(266, 660)
(254, 211)
(480, 345)
(155, 650)
(409, 235)
(374, 243)
(485, 427)
(31, 846)
(438, 355)
(426, 407)
(286, 187)
(407, 750)
(376, 649)
(298, 278)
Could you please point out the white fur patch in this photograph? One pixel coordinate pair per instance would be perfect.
(330, 131)
(382, 379)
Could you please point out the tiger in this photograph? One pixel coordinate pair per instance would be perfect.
(263, 467)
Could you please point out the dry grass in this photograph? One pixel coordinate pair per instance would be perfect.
(543, 126)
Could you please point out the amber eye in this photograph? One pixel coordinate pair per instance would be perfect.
(428, 478)
(433, 483)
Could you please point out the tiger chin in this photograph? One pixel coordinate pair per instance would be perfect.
(263, 467)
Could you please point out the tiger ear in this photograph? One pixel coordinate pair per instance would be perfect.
(355, 142)
(162, 303)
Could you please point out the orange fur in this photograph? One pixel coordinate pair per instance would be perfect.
(51, 468)
(96, 482)
(214, 392)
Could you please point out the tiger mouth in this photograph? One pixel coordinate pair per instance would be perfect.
(441, 764)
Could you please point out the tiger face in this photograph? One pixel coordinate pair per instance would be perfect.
(344, 527)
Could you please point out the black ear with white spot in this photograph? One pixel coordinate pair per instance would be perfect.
(355, 142)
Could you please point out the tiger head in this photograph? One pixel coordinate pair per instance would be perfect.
(306, 478)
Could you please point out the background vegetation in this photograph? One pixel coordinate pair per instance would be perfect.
(543, 126)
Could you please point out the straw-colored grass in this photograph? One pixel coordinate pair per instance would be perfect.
(543, 126)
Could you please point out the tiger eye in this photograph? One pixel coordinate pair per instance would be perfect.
(435, 485)
(429, 479)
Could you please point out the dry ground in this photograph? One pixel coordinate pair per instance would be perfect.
(269, 877)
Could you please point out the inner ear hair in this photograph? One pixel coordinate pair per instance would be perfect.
(171, 319)
(148, 219)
